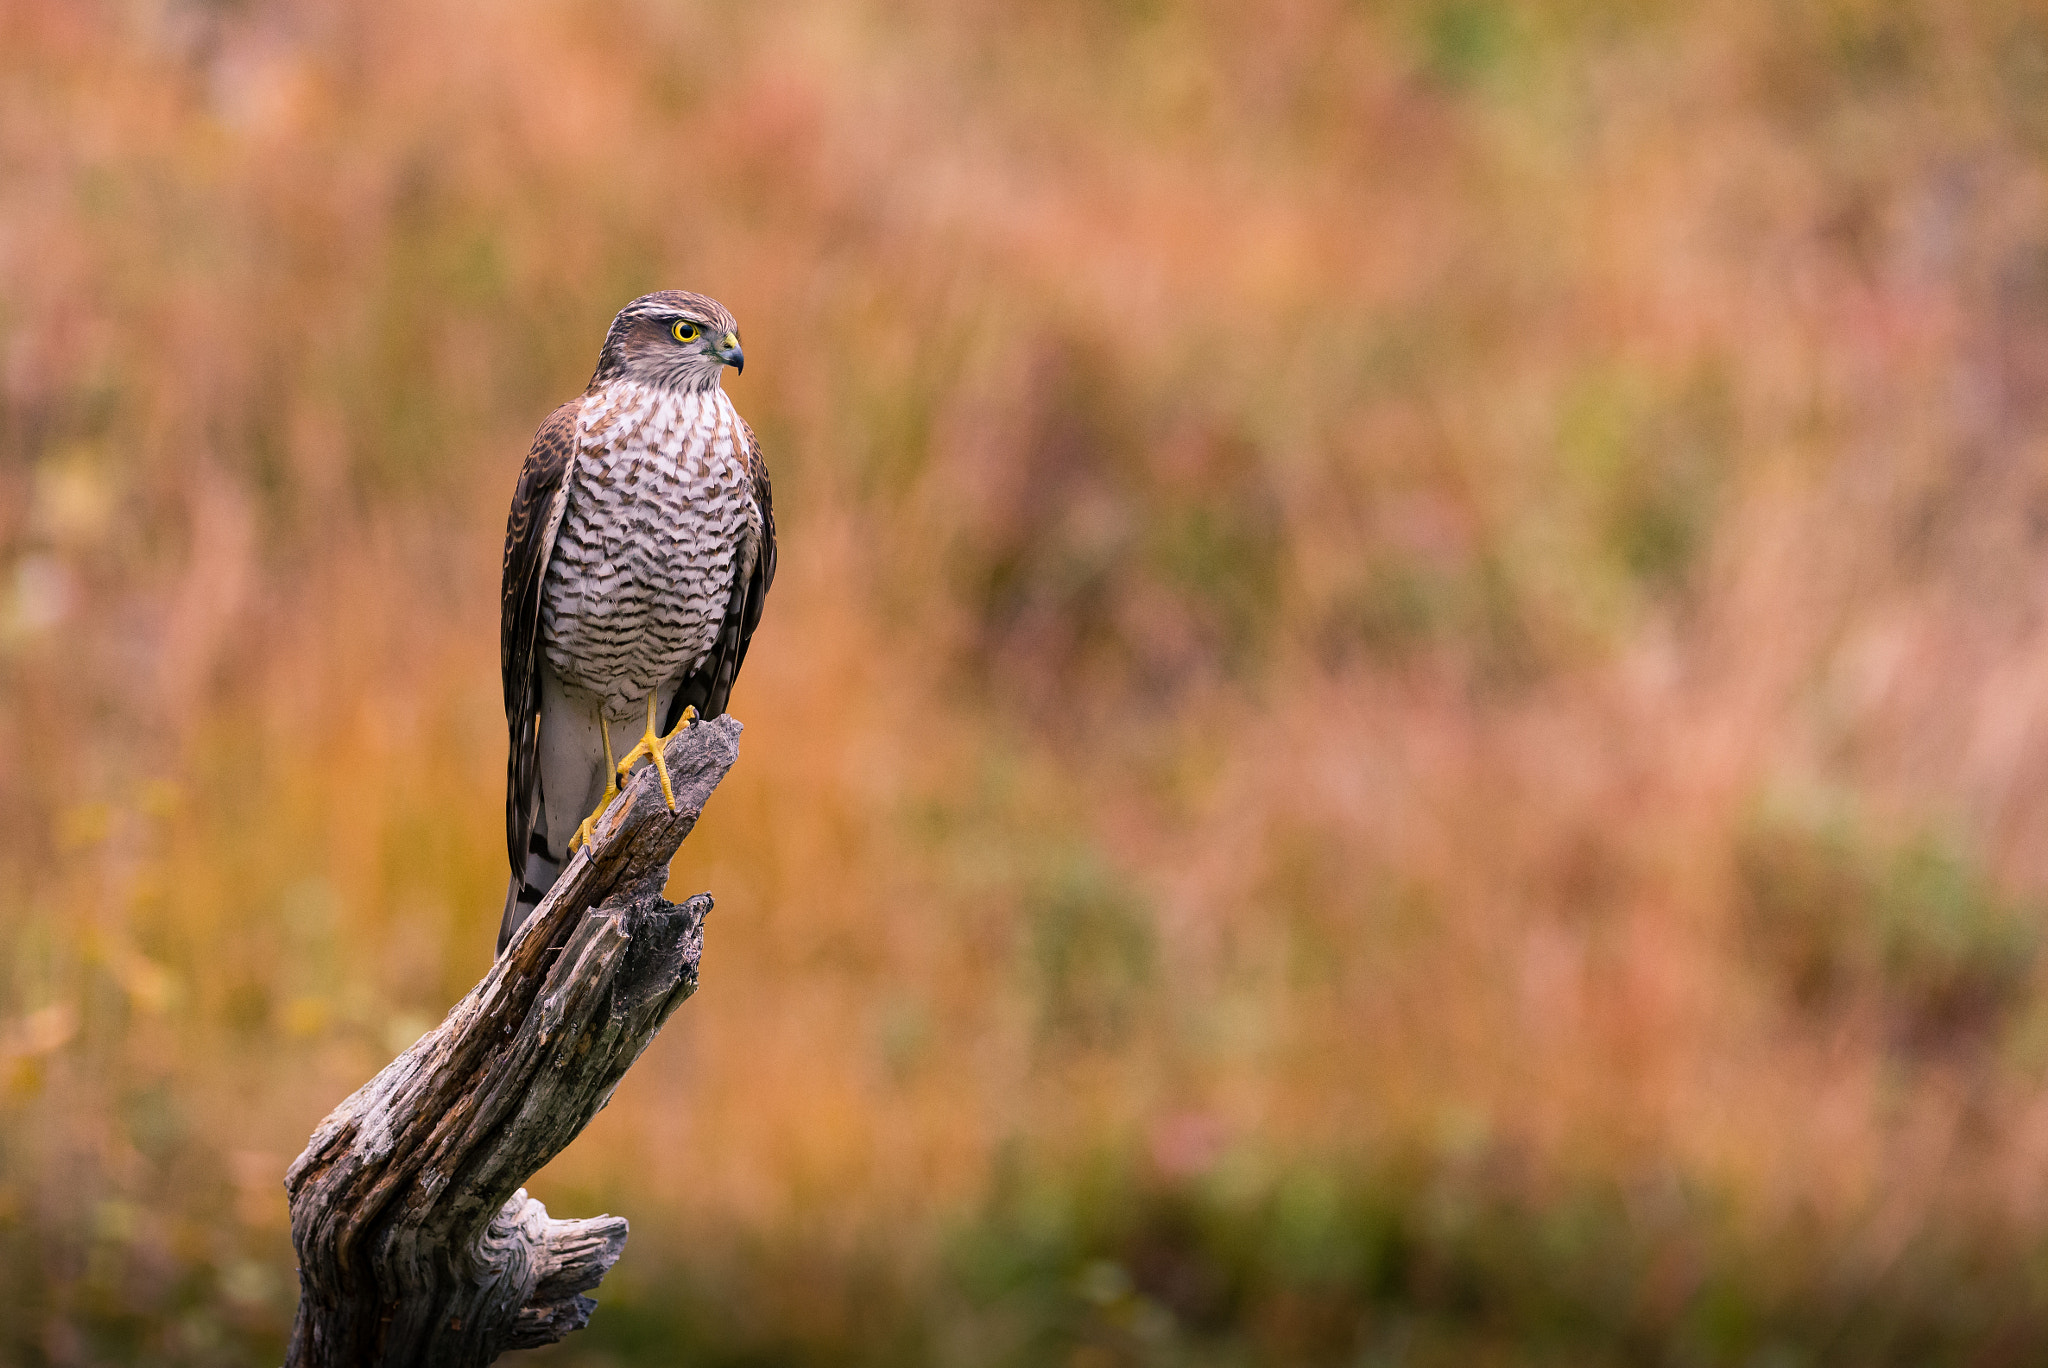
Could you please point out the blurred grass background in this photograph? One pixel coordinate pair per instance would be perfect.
(1401, 722)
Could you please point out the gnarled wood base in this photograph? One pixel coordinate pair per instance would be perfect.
(417, 1245)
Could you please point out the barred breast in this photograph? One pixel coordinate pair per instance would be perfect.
(660, 515)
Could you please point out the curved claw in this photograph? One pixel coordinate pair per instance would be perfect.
(588, 828)
(650, 745)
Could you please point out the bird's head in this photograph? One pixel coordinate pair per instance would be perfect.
(673, 339)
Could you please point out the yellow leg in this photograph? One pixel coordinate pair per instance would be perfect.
(611, 788)
(650, 746)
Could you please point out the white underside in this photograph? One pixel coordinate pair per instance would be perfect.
(658, 517)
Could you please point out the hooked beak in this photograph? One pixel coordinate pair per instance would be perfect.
(730, 353)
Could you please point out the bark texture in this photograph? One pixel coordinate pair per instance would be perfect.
(417, 1245)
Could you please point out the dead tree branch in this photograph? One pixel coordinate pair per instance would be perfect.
(417, 1245)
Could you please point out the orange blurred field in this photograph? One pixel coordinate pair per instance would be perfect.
(1401, 723)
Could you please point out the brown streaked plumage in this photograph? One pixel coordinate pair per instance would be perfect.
(638, 552)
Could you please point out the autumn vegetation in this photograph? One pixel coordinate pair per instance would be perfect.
(1405, 719)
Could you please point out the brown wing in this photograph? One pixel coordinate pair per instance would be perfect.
(709, 686)
(529, 540)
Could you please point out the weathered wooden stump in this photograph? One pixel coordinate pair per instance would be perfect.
(417, 1245)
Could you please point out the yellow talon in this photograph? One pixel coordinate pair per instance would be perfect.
(650, 745)
(611, 790)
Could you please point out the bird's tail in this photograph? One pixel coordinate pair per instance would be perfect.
(528, 887)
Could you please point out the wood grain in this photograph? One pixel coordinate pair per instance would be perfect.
(417, 1243)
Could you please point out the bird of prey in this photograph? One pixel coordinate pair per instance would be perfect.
(639, 549)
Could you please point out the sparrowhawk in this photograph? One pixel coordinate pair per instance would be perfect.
(639, 549)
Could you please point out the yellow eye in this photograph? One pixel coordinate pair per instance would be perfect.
(685, 332)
